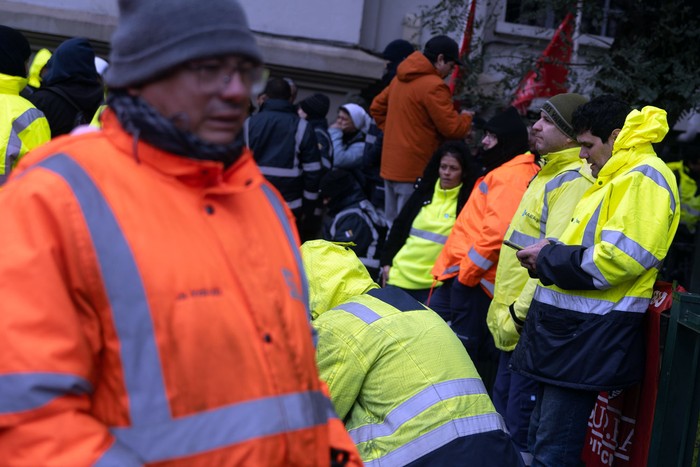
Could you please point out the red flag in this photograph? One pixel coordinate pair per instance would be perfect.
(466, 44)
(549, 76)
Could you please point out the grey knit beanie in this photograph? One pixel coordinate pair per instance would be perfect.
(560, 108)
(153, 36)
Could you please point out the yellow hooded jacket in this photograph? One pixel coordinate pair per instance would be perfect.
(584, 327)
(24, 127)
(398, 376)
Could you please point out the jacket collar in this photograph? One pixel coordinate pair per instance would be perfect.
(210, 175)
(12, 84)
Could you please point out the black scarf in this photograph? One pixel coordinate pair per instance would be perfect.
(142, 121)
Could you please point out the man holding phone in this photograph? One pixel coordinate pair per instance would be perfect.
(544, 212)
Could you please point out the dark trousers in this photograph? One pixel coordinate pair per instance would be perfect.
(514, 397)
(465, 309)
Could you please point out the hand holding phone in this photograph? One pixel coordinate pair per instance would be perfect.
(512, 245)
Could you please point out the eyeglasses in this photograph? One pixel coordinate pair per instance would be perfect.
(215, 74)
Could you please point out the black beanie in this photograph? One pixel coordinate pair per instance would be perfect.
(14, 52)
(316, 105)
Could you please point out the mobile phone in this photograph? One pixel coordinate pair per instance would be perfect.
(512, 245)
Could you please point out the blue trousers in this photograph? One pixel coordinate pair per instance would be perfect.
(558, 425)
(514, 397)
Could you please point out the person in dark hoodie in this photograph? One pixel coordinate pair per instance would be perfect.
(314, 110)
(421, 228)
(71, 90)
(350, 217)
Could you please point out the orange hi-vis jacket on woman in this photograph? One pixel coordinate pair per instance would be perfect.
(154, 312)
(472, 249)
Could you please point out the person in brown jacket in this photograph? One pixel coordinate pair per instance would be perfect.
(421, 117)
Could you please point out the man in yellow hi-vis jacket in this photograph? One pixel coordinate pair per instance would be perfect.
(398, 376)
(583, 333)
(544, 212)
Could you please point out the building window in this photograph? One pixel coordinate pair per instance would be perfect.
(599, 17)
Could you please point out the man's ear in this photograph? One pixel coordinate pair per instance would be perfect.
(133, 92)
(613, 135)
(440, 60)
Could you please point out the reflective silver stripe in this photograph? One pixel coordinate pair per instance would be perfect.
(370, 262)
(690, 210)
(522, 239)
(291, 239)
(550, 186)
(588, 305)
(484, 188)
(280, 172)
(430, 236)
(588, 265)
(298, 137)
(633, 249)
(295, 204)
(310, 195)
(439, 437)
(452, 269)
(589, 232)
(20, 392)
(311, 166)
(358, 310)
(118, 455)
(225, 426)
(326, 163)
(479, 260)
(659, 179)
(14, 142)
(488, 285)
(417, 404)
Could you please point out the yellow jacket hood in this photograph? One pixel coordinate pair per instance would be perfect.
(335, 275)
(642, 127)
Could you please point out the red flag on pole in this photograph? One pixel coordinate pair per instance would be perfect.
(548, 78)
(466, 44)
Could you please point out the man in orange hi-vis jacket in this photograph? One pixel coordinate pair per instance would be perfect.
(154, 308)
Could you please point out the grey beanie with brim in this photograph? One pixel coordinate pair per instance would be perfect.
(153, 37)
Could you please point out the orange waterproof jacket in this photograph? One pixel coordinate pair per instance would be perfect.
(472, 249)
(153, 312)
(416, 113)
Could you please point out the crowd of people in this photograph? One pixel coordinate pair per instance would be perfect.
(206, 276)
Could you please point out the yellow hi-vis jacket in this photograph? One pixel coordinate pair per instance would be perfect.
(398, 376)
(544, 212)
(584, 328)
(23, 126)
(690, 198)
